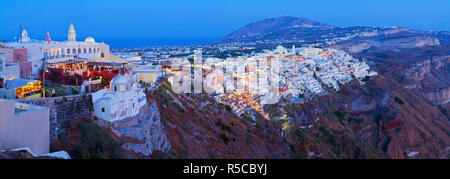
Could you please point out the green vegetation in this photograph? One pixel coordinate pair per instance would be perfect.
(62, 137)
(299, 133)
(357, 120)
(328, 135)
(247, 119)
(225, 139)
(224, 126)
(54, 149)
(95, 143)
(340, 115)
(365, 79)
(175, 107)
(75, 92)
(398, 100)
(228, 108)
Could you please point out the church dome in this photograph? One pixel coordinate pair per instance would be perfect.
(119, 79)
(90, 39)
(120, 83)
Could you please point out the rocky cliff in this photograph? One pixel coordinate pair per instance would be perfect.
(199, 127)
(141, 135)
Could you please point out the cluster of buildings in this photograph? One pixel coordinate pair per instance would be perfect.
(287, 75)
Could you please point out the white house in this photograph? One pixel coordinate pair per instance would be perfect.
(122, 100)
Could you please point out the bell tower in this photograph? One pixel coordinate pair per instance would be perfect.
(71, 34)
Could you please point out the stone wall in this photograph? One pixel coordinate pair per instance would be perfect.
(64, 111)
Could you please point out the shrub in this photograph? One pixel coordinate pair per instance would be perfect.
(95, 143)
(299, 133)
(357, 120)
(224, 126)
(54, 149)
(365, 79)
(398, 100)
(339, 114)
(75, 92)
(228, 108)
(225, 139)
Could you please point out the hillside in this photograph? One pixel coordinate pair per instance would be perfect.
(273, 25)
(305, 31)
(199, 127)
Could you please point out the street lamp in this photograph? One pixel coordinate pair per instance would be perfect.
(43, 76)
(43, 82)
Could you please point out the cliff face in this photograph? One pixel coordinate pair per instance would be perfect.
(407, 123)
(423, 69)
(417, 78)
(431, 78)
(387, 43)
(382, 119)
(140, 136)
(199, 127)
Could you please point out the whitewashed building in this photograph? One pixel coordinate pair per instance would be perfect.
(56, 51)
(122, 100)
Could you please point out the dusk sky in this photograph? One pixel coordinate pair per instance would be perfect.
(205, 18)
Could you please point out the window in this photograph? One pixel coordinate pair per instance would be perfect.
(133, 105)
(73, 51)
(79, 50)
(90, 50)
(115, 88)
(84, 50)
(68, 51)
(122, 88)
(103, 109)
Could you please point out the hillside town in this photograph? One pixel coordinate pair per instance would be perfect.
(280, 75)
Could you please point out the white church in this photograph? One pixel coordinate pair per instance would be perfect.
(56, 51)
(123, 99)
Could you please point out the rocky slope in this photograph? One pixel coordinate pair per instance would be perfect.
(372, 114)
(199, 127)
(424, 70)
(137, 137)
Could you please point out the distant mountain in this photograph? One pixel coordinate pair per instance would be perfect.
(294, 29)
(273, 25)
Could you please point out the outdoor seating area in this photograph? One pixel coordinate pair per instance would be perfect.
(24, 88)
